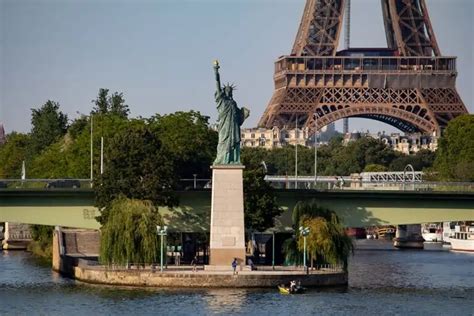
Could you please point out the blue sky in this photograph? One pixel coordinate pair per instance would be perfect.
(159, 53)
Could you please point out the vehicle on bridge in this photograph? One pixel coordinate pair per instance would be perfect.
(64, 183)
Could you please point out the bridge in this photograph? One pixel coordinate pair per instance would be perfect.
(357, 208)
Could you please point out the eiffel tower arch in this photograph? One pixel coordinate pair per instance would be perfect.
(408, 84)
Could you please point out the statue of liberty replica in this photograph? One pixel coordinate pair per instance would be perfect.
(227, 242)
(229, 121)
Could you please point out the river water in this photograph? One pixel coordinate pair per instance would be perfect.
(382, 282)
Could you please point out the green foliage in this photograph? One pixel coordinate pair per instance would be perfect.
(260, 203)
(114, 104)
(42, 244)
(327, 241)
(138, 167)
(42, 234)
(333, 158)
(455, 155)
(12, 154)
(129, 235)
(375, 168)
(190, 142)
(48, 125)
(421, 160)
(78, 126)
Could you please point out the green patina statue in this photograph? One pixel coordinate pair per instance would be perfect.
(229, 122)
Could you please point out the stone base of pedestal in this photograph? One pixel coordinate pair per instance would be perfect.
(227, 216)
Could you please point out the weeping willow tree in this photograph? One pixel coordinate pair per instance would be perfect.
(327, 241)
(129, 235)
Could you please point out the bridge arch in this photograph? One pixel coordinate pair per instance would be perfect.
(403, 109)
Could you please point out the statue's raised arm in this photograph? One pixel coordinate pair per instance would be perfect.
(218, 77)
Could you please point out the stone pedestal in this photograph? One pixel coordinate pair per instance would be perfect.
(227, 216)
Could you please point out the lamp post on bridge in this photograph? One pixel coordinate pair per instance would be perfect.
(162, 231)
(304, 231)
(315, 150)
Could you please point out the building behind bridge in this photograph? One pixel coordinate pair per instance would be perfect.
(279, 137)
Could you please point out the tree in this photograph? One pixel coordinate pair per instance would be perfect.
(12, 154)
(375, 168)
(101, 102)
(327, 241)
(421, 160)
(260, 203)
(42, 244)
(114, 104)
(455, 155)
(117, 105)
(129, 235)
(48, 125)
(138, 167)
(187, 137)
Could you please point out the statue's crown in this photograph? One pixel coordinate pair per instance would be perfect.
(230, 85)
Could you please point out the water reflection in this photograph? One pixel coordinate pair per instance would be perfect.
(226, 301)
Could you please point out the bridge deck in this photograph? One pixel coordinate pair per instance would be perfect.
(74, 208)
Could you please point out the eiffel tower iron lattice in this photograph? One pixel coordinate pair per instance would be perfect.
(409, 85)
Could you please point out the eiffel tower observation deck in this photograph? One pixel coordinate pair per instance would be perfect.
(408, 84)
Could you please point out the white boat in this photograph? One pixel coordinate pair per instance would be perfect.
(432, 232)
(463, 239)
(448, 231)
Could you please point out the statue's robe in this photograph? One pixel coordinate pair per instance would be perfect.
(229, 122)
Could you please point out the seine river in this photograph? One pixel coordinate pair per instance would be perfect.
(382, 282)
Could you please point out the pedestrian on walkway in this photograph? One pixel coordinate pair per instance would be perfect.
(194, 263)
(234, 265)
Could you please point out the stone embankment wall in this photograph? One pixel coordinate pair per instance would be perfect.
(205, 279)
(71, 247)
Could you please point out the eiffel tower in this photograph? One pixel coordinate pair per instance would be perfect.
(408, 84)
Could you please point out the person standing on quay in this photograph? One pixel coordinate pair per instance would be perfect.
(194, 263)
(234, 265)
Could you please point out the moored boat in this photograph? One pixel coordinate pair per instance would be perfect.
(463, 239)
(448, 231)
(432, 232)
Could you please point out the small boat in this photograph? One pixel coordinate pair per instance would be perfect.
(286, 290)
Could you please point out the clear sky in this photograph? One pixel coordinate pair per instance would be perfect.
(160, 53)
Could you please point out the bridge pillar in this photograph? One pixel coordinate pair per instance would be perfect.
(408, 236)
(58, 249)
(17, 236)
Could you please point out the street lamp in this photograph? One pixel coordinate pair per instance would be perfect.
(161, 230)
(315, 150)
(304, 231)
(296, 152)
(91, 117)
